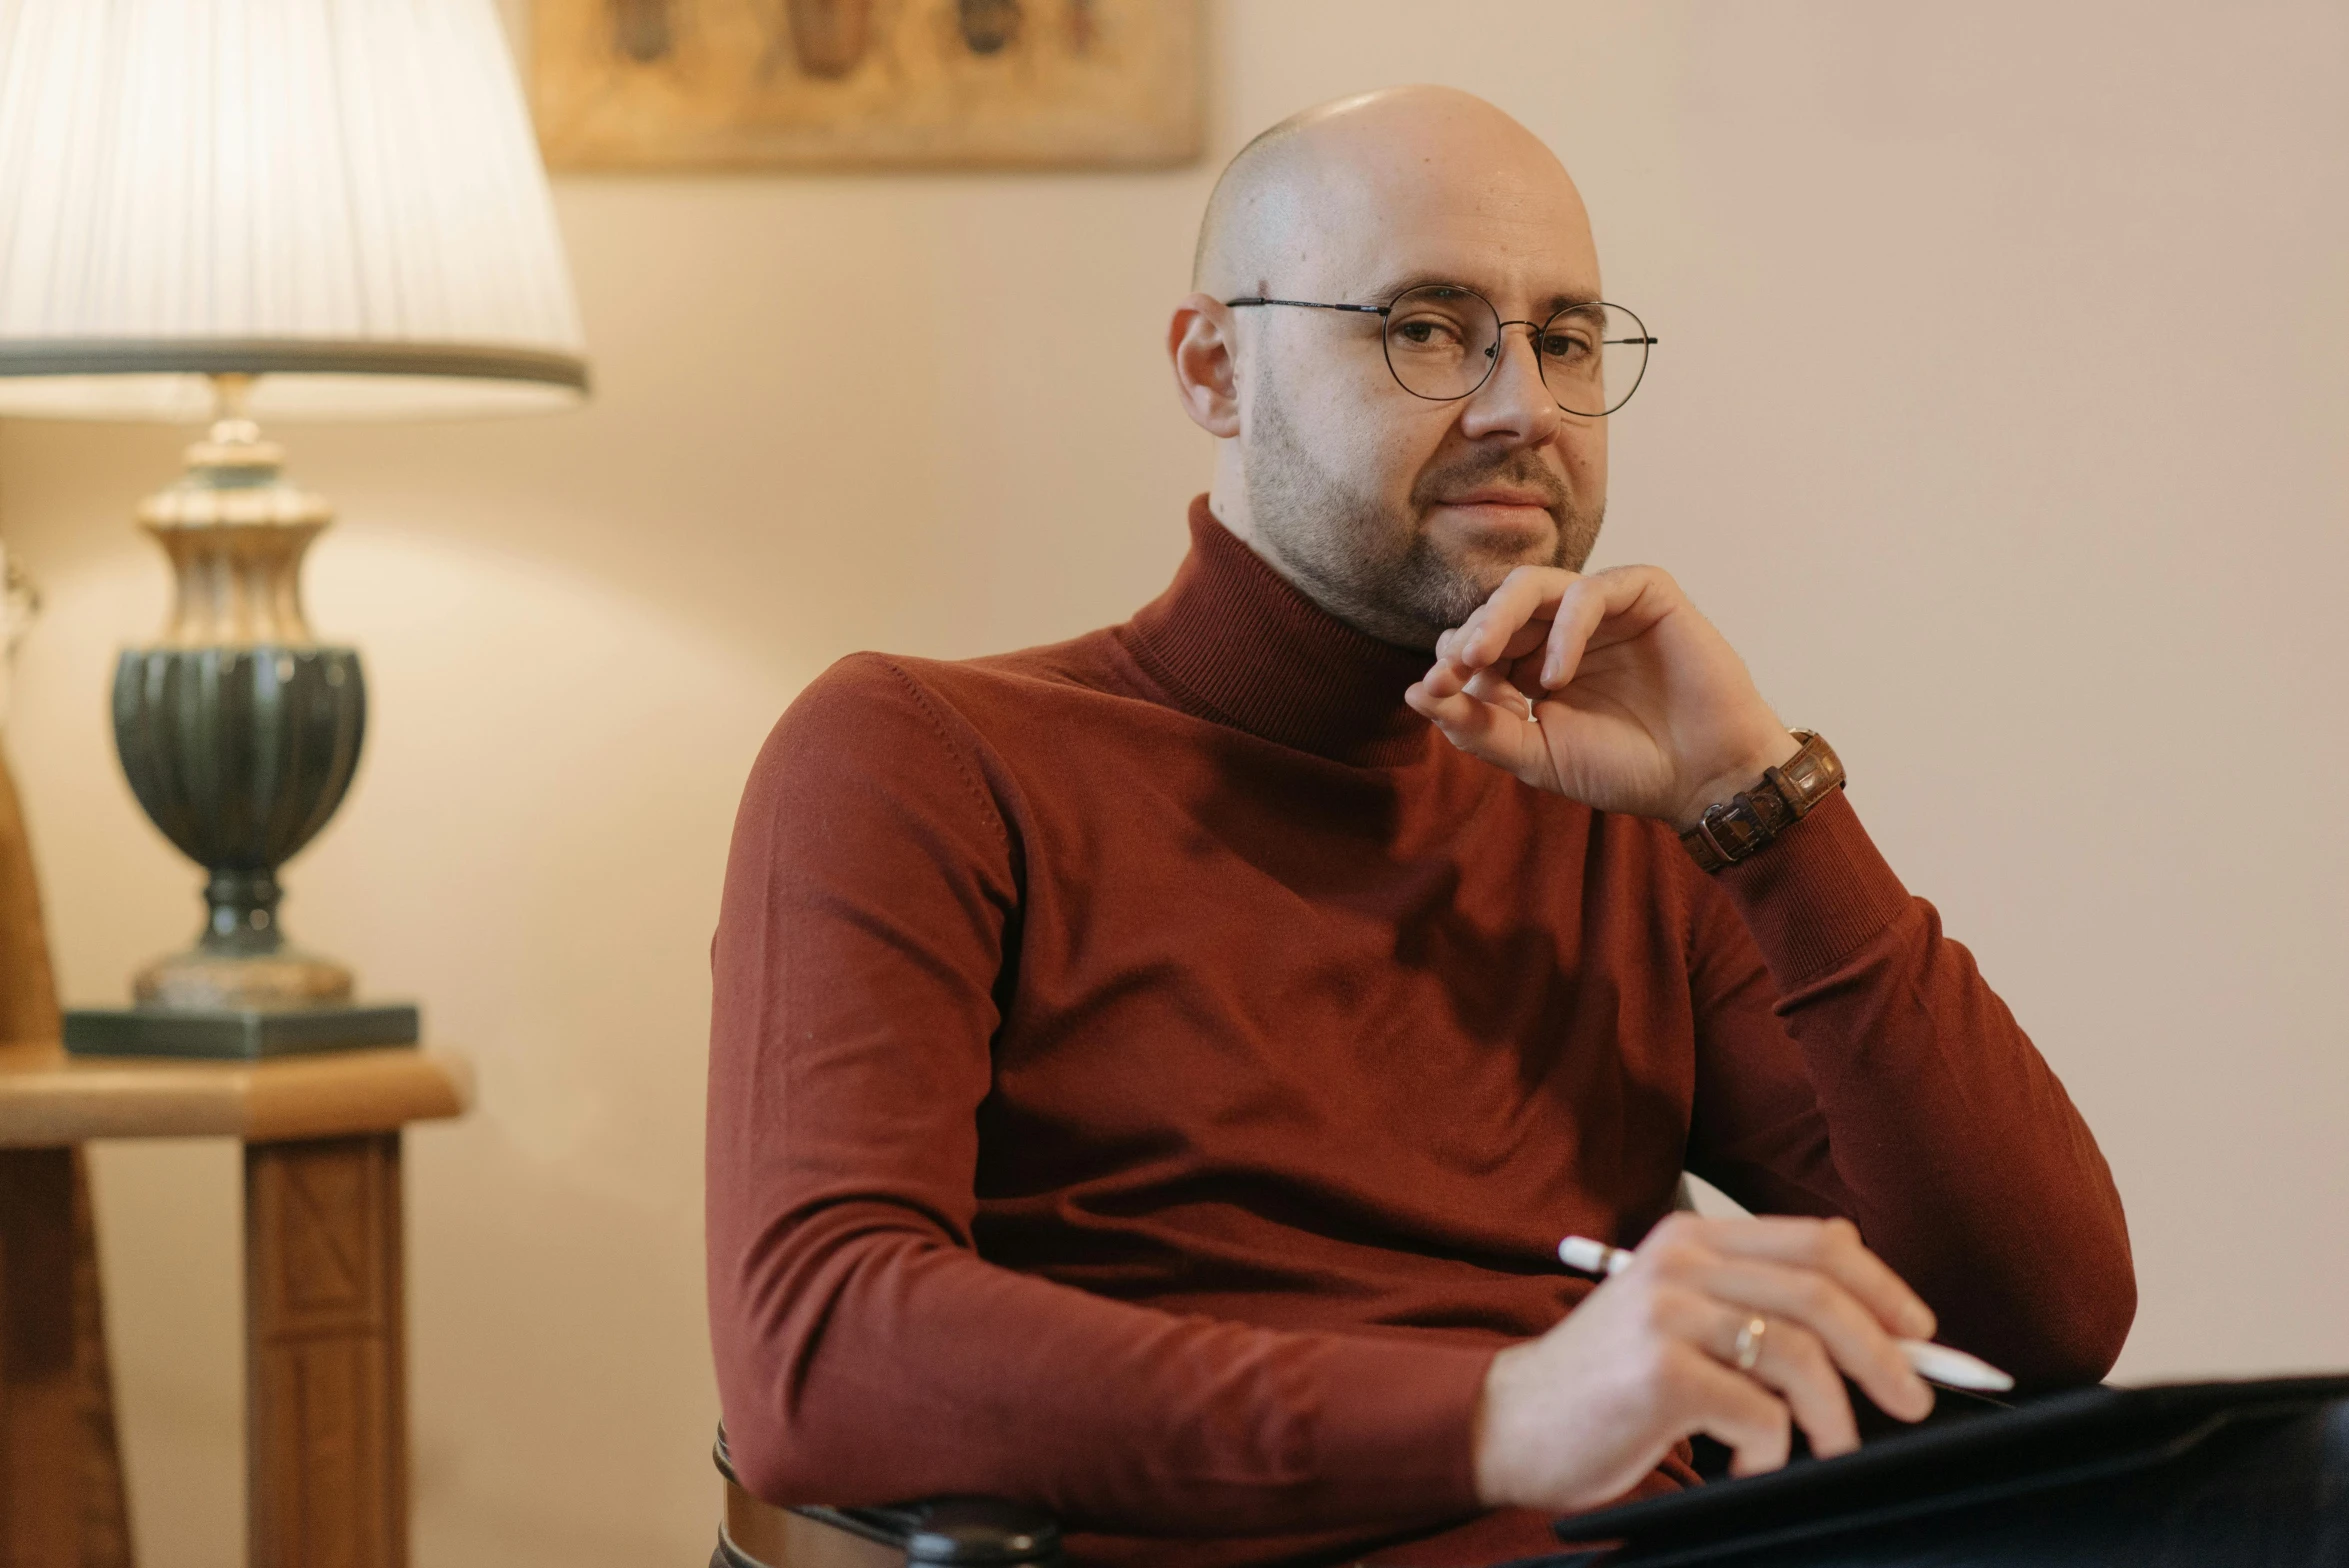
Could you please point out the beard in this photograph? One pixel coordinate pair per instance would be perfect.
(1370, 564)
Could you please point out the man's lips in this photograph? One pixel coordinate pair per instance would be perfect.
(1498, 498)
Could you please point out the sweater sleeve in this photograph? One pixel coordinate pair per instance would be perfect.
(1851, 1060)
(865, 1352)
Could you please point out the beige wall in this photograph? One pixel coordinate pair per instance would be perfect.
(1997, 417)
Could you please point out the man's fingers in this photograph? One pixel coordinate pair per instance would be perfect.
(1497, 733)
(1814, 1305)
(1639, 593)
(1527, 595)
(1734, 1410)
(1832, 1247)
(1538, 605)
(1463, 651)
(1580, 610)
(1493, 686)
(1510, 624)
(1794, 1362)
(1788, 1358)
(1813, 1272)
(1551, 610)
(1454, 670)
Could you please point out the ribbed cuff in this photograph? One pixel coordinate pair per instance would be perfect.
(1398, 1425)
(1815, 895)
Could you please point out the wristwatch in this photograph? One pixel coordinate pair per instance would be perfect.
(1735, 830)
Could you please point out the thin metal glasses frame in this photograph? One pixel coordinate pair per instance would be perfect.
(1643, 338)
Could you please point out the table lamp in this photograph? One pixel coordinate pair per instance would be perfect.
(249, 209)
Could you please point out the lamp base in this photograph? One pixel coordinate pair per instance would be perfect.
(209, 978)
(237, 1033)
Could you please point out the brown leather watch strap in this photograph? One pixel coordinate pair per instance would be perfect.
(1735, 830)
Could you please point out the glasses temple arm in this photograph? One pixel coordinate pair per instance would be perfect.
(1306, 304)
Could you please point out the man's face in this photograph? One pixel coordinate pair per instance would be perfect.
(1398, 513)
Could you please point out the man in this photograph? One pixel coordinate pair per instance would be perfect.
(1151, 1075)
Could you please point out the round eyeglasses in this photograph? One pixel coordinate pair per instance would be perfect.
(1443, 340)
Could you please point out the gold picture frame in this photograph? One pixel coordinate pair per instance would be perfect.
(861, 84)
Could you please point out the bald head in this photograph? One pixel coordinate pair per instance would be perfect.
(1395, 509)
(1347, 172)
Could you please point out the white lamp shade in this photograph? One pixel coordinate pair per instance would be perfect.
(341, 196)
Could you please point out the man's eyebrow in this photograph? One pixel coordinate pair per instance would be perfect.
(1385, 290)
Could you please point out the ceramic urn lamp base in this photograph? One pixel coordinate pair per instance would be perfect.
(239, 732)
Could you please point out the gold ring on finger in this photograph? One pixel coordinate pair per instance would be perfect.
(1748, 1350)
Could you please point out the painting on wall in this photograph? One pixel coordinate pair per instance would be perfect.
(810, 84)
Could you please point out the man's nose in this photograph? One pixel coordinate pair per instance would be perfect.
(1514, 400)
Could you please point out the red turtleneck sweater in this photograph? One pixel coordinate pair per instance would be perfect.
(1149, 1076)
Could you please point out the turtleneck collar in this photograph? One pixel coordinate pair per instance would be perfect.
(1234, 641)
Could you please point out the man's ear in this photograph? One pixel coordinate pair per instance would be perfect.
(1199, 343)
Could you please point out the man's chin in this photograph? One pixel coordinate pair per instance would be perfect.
(1519, 535)
(1483, 544)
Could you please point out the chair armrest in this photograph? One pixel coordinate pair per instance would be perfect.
(962, 1530)
(980, 1532)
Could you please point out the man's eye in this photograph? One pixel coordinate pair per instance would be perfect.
(1567, 346)
(1424, 332)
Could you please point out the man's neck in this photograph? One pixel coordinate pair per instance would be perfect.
(1227, 498)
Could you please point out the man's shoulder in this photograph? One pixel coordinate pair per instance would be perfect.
(983, 693)
(887, 723)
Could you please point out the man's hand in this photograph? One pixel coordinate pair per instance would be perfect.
(1609, 688)
(1578, 1416)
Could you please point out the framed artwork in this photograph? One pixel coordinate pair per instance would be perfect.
(848, 84)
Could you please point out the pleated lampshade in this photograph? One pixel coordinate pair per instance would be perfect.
(342, 197)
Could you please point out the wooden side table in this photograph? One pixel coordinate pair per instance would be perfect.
(326, 1396)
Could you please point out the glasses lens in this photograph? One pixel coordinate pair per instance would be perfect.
(1592, 357)
(1440, 341)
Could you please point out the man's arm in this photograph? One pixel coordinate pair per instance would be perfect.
(1852, 1061)
(865, 1352)
(1908, 1098)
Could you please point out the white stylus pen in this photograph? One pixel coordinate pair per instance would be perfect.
(1934, 1363)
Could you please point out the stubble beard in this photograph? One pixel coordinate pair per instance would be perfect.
(1371, 565)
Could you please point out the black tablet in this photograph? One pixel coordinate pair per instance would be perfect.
(2052, 1441)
